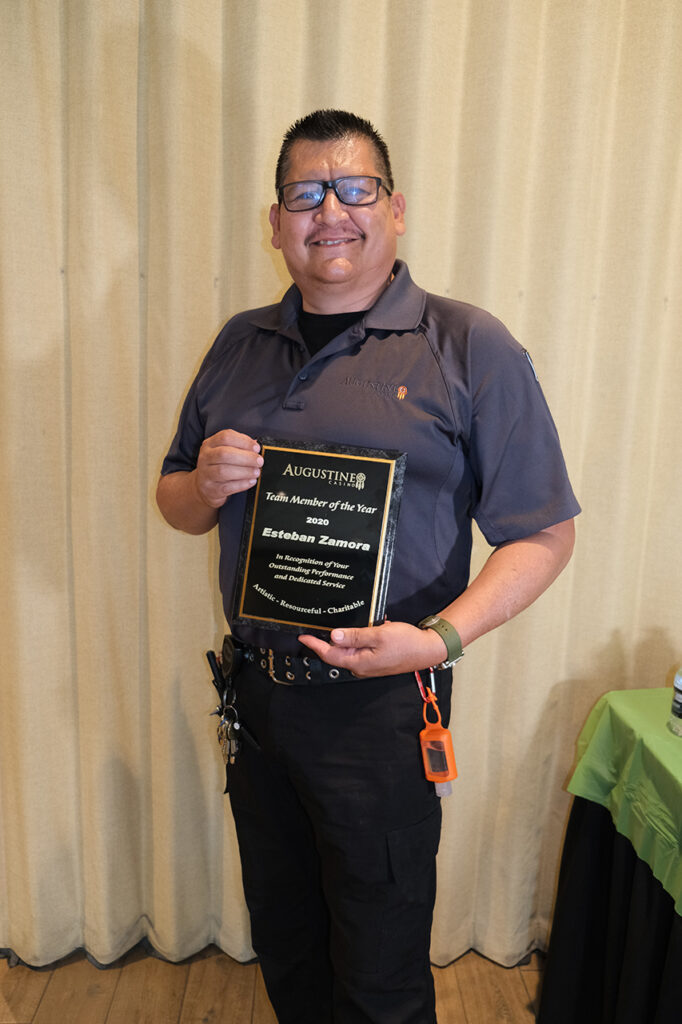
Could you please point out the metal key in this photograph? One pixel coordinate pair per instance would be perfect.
(233, 742)
(228, 735)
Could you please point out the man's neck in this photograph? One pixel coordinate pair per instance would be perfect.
(330, 299)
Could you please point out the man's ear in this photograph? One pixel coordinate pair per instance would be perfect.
(274, 223)
(397, 201)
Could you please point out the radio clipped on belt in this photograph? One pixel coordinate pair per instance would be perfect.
(229, 726)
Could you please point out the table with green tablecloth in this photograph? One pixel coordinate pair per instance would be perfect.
(615, 951)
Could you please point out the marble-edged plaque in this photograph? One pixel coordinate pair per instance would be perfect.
(317, 542)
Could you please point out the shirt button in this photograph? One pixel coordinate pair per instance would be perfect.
(303, 375)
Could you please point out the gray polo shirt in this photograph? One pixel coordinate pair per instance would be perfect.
(438, 379)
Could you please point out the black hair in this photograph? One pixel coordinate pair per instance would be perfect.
(330, 126)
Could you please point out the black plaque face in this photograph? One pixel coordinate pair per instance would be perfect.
(318, 537)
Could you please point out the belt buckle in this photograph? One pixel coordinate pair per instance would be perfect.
(271, 669)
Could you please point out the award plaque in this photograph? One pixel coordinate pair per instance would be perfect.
(318, 537)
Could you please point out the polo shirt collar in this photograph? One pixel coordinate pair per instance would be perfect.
(399, 307)
(281, 318)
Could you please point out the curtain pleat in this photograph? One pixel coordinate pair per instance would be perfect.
(539, 147)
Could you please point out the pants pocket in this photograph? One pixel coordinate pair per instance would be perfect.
(406, 928)
(382, 898)
(412, 857)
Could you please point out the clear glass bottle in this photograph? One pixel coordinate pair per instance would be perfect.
(675, 720)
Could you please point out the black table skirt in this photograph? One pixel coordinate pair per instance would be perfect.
(615, 952)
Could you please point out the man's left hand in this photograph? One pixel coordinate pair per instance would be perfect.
(379, 650)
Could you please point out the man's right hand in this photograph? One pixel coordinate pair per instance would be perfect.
(228, 462)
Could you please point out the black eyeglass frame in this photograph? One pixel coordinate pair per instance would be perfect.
(326, 185)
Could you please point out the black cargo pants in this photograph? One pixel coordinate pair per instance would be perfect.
(338, 832)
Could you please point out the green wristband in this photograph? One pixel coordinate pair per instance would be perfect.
(449, 635)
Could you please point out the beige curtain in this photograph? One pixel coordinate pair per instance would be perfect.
(538, 143)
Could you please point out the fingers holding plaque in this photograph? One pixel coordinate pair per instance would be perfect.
(317, 543)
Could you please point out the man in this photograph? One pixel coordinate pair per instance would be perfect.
(338, 828)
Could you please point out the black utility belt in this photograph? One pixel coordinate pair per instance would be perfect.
(290, 670)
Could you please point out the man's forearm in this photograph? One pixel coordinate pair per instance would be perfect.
(512, 578)
(181, 506)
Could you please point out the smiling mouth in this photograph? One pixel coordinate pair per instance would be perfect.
(330, 242)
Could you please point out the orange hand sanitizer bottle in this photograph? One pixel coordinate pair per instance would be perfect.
(436, 746)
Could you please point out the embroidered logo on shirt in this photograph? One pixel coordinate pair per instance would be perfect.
(398, 391)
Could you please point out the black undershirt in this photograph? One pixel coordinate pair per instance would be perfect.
(318, 329)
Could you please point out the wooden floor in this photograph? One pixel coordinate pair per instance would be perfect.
(210, 988)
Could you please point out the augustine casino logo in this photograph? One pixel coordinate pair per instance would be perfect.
(398, 391)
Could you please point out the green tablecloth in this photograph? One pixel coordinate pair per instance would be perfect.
(630, 762)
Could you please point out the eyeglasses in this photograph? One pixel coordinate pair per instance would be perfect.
(352, 190)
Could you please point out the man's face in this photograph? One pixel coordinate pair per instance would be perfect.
(339, 256)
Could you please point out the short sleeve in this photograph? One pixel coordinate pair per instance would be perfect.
(184, 450)
(515, 453)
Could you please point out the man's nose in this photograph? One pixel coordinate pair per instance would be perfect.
(331, 207)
